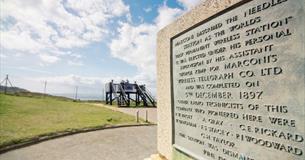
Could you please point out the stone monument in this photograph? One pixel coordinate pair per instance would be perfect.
(231, 82)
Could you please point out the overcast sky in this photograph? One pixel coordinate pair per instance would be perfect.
(82, 43)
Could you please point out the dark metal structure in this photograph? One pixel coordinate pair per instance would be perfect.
(6, 81)
(124, 93)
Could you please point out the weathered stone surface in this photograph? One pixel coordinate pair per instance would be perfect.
(238, 81)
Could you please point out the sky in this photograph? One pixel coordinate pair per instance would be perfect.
(84, 43)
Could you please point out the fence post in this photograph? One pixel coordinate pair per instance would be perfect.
(146, 116)
(137, 116)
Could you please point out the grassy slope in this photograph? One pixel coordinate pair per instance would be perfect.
(24, 117)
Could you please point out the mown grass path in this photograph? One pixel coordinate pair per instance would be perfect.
(27, 117)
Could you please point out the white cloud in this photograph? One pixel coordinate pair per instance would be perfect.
(2, 56)
(48, 26)
(92, 7)
(28, 69)
(75, 63)
(189, 4)
(76, 56)
(88, 84)
(19, 40)
(71, 80)
(66, 83)
(75, 59)
(60, 84)
(136, 45)
(48, 58)
(167, 15)
(148, 9)
(51, 27)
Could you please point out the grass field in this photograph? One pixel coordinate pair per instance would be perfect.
(26, 117)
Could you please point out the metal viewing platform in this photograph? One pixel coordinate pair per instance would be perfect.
(124, 93)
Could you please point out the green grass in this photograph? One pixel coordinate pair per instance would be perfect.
(37, 95)
(132, 104)
(26, 117)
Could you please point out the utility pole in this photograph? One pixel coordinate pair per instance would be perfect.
(103, 93)
(45, 88)
(6, 81)
(76, 89)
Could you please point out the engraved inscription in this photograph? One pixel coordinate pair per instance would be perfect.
(238, 84)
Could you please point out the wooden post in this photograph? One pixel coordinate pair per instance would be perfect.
(137, 116)
(146, 116)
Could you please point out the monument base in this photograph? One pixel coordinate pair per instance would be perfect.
(156, 157)
(230, 82)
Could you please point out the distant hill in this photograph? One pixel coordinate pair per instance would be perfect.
(16, 91)
(12, 89)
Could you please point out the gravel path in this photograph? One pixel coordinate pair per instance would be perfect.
(130, 143)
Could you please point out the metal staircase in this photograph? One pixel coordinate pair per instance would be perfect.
(123, 98)
(115, 93)
(146, 96)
